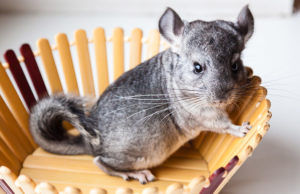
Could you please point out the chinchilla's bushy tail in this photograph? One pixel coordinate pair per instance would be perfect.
(46, 127)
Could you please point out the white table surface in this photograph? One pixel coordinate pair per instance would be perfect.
(273, 53)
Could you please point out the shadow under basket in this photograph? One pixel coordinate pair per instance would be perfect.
(204, 165)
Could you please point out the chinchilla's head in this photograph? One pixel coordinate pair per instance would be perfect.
(208, 55)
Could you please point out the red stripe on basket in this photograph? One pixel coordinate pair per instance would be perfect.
(232, 163)
(33, 71)
(20, 78)
(217, 177)
(4, 186)
(215, 180)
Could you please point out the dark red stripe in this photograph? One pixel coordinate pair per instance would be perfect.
(4, 186)
(217, 177)
(33, 71)
(232, 163)
(20, 78)
(215, 180)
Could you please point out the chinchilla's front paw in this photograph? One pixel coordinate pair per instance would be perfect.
(240, 131)
(245, 128)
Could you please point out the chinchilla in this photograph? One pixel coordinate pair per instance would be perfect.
(153, 109)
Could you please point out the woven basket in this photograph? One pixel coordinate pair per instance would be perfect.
(203, 166)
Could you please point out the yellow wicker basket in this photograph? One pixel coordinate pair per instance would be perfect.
(203, 166)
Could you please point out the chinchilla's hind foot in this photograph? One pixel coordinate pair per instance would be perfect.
(143, 176)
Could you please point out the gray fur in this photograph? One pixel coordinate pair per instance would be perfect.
(153, 109)
(46, 125)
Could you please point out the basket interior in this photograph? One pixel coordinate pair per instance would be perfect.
(80, 171)
(52, 69)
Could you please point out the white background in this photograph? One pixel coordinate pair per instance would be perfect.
(273, 53)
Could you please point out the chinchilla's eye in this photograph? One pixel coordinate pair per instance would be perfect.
(235, 67)
(197, 68)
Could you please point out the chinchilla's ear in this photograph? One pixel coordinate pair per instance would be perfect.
(171, 26)
(245, 23)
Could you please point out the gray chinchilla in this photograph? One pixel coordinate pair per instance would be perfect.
(153, 109)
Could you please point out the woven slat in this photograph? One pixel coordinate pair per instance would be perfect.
(118, 52)
(101, 59)
(87, 82)
(15, 104)
(135, 47)
(20, 78)
(33, 71)
(63, 48)
(49, 65)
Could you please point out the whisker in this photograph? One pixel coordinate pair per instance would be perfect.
(136, 97)
(156, 107)
(143, 111)
(149, 116)
(174, 110)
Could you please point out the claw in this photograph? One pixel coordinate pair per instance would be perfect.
(240, 131)
(126, 178)
(143, 176)
(150, 177)
(245, 127)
